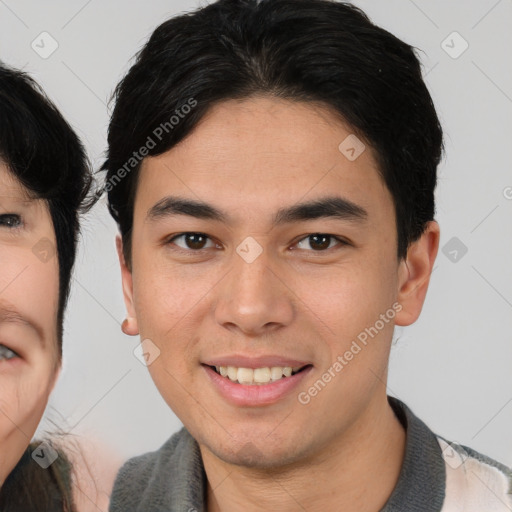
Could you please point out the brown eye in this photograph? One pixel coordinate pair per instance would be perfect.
(318, 242)
(193, 241)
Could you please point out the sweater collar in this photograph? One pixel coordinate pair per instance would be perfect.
(423, 474)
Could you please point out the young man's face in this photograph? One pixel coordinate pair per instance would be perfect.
(29, 289)
(270, 282)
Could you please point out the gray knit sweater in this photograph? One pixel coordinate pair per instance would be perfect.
(436, 476)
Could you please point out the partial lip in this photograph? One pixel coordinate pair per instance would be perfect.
(256, 362)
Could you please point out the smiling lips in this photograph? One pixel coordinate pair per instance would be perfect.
(256, 376)
(256, 383)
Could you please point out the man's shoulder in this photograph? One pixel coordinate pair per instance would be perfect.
(474, 479)
(148, 478)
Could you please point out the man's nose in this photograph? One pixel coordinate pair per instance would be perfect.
(253, 298)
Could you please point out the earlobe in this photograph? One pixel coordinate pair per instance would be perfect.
(129, 325)
(414, 274)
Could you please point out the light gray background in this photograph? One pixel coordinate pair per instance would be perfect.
(453, 367)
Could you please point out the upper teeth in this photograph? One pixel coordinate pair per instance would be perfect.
(256, 375)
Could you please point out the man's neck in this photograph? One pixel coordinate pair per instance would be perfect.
(356, 472)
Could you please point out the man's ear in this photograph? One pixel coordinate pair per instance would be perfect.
(414, 274)
(129, 325)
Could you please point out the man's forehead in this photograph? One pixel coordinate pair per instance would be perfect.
(272, 176)
(285, 125)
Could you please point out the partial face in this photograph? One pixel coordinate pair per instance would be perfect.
(260, 249)
(29, 287)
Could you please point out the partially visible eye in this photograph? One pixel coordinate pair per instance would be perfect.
(7, 353)
(319, 242)
(10, 220)
(193, 241)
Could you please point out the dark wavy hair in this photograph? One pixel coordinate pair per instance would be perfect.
(302, 50)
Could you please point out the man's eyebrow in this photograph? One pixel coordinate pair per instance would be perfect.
(172, 205)
(333, 206)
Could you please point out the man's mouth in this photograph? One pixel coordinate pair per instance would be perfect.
(257, 376)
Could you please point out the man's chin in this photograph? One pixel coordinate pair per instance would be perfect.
(256, 455)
